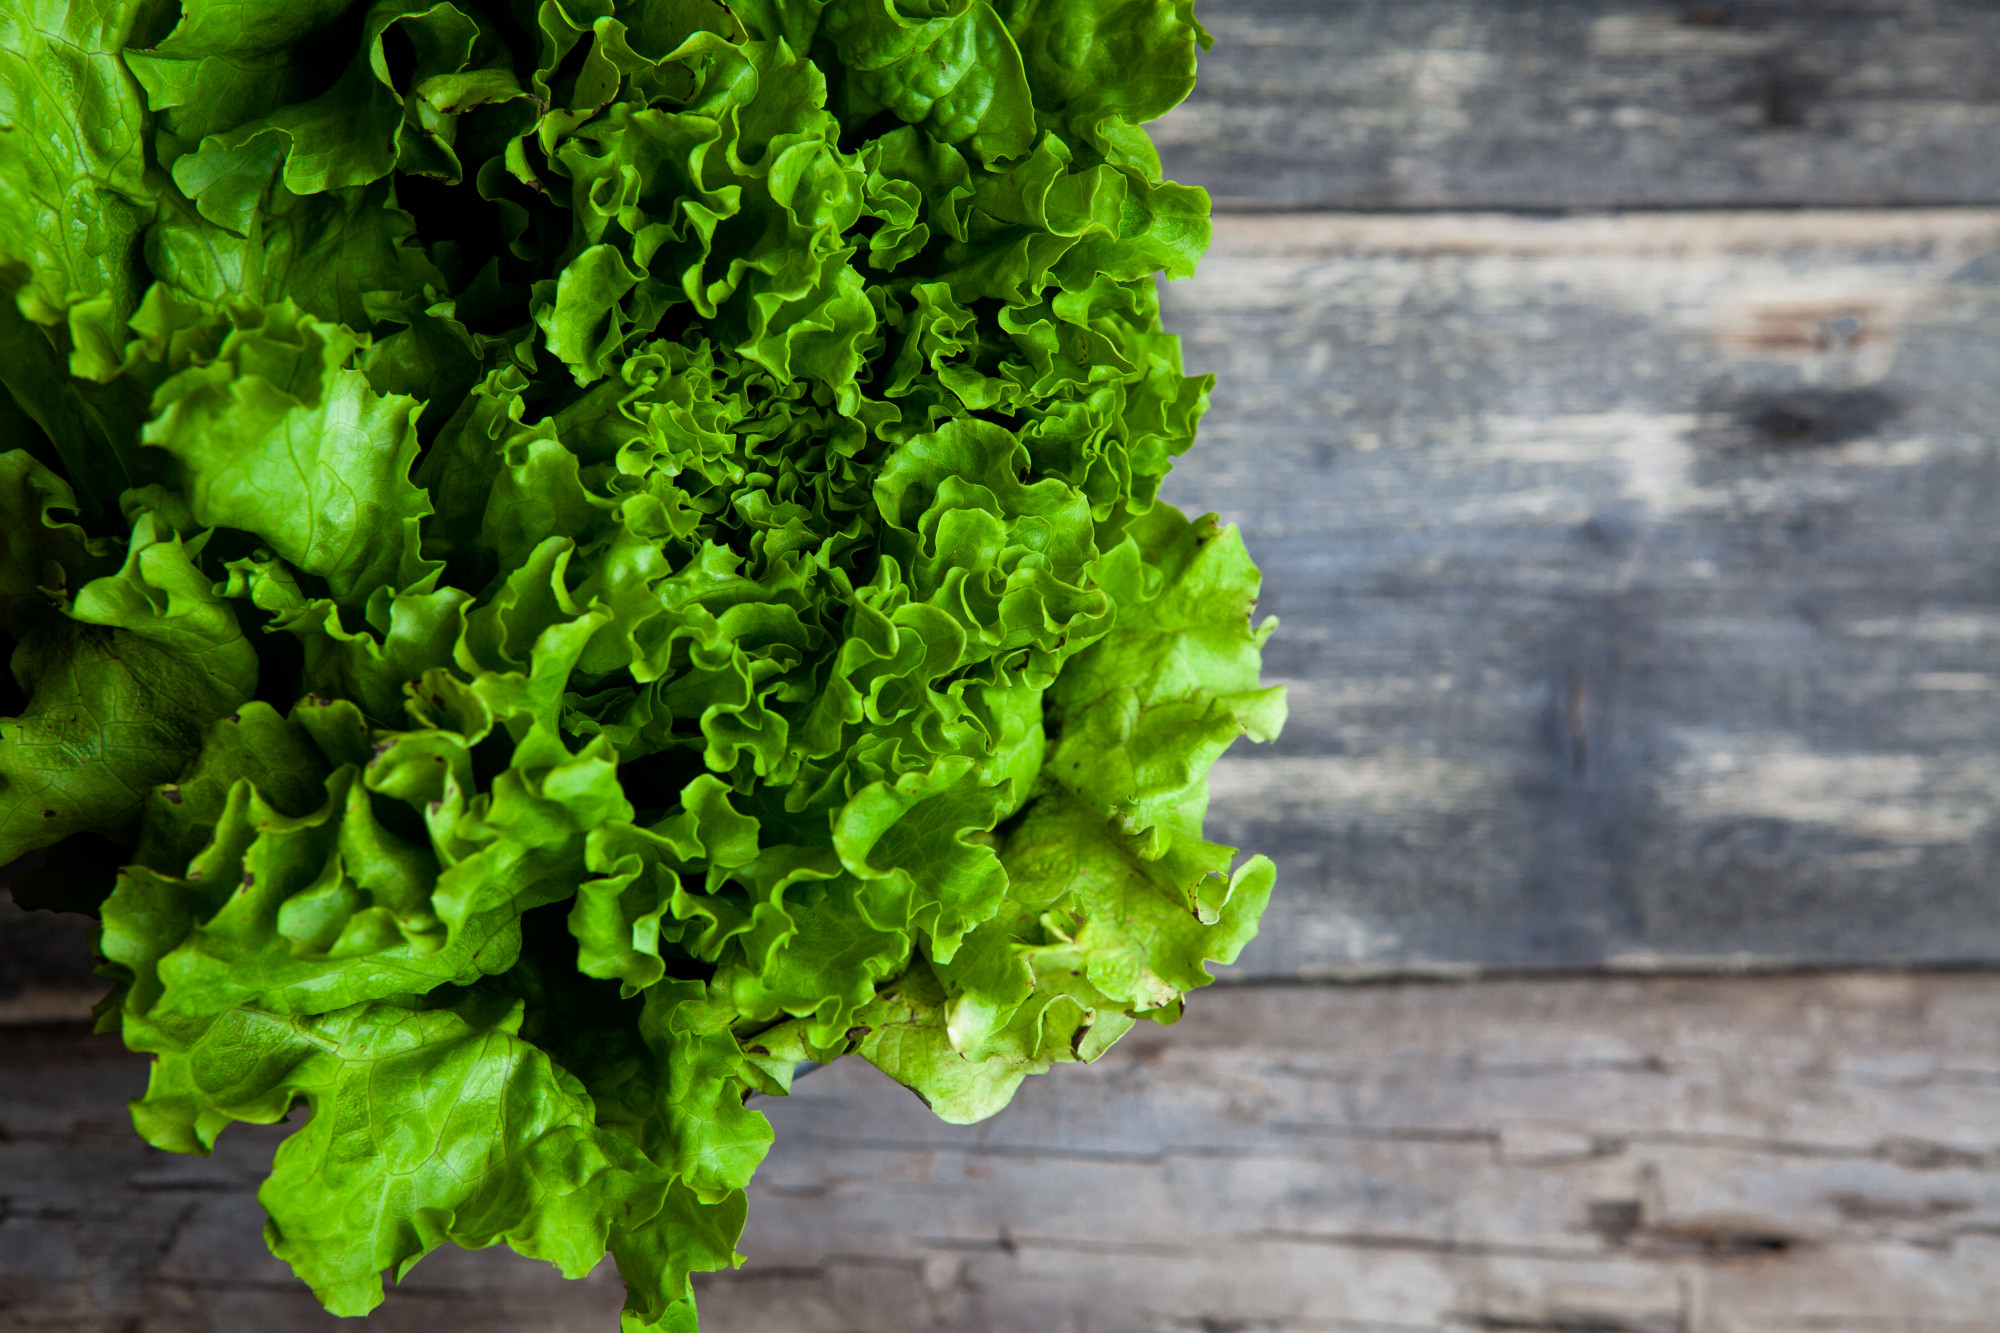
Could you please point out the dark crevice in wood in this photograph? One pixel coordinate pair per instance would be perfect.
(1460, 975)
(1582, 1322)
(1575, 1323)
(755, 1274)
(1361, 1240)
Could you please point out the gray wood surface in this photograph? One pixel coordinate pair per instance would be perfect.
(1638, 578)
(1719, 1155)
(1566, 104)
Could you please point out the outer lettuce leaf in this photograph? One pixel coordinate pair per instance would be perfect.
(121, 687)
(315, 904)
(1139, 945)
(336, 255)
(958, 74)
(42, 552)
(470, 1135)
(907, 1040)
(355, 132)
(275, 755)
(402, 635)
(711, 1140)
(655, 1258)
(1106, 67)
(277, 413)
(74, 192)
(1108, 871)
(1143, 714)
(230, 61)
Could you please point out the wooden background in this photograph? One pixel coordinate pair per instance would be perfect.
(1638, 582)
(1608, 392)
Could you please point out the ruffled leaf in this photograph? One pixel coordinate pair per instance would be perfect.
(278, 413)
(121, 688)
(474, 1137)
(958, 75)
(74, 192)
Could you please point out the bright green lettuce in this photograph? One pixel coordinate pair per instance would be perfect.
(582, 553)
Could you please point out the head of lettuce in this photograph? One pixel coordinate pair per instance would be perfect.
(562, 557)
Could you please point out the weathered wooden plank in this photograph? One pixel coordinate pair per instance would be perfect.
(1637, 579)
(1590, 104)
(1721, 1155)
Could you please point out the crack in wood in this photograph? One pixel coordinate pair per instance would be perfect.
(1579, 1322)
(1455, 1249)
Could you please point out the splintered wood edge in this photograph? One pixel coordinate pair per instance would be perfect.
(1308, 235)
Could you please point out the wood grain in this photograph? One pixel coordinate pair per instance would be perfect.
(1637, 581)
(1592, 104)
(1718, 1155)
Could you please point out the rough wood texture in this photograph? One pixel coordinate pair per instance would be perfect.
(1637, 582)
(1567, 104)
(1623, 1156)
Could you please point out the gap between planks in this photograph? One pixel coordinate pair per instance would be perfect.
(1307, 233)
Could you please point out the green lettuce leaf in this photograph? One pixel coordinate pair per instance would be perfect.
(43, 551)
(958, 74)
(355, 132)
(279, 413)
(1104, 68)
(74, 189)
(467, 1134)
(121, 687)
(1116, 900)
(908, 1040)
